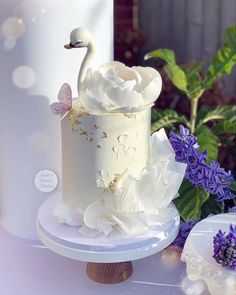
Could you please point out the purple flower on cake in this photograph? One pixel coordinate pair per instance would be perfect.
(225, 248)
(114, 87)
(212, 178)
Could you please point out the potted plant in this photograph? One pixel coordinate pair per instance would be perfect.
(197, 200)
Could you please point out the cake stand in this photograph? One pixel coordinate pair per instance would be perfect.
(109, 260)
(198, 251)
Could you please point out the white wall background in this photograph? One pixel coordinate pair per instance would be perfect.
(33, 66)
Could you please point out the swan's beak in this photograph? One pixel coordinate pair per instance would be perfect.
(68, 46)
(76, 45)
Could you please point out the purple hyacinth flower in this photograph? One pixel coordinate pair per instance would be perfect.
(225, 248)
(212, 178)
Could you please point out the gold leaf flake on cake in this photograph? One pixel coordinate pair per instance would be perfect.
(82, 113)
(83, 132)
(112, 184)
(74, 120)
(105, 135)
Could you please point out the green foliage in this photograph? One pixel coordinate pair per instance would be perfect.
(194, 81)
(225, 127)
(190, 201)
(174, 72)
(233, 186)
(165, 54)
(224, 60)
(227, 112)
(195, 202)
(208, 141)
(177, 76)
(211, 206)
(166, 118)
(189, 81)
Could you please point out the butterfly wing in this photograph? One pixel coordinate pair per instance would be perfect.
(65, 95)
(65, 101)
(59, 108)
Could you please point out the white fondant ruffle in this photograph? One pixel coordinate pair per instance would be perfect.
(139, 198)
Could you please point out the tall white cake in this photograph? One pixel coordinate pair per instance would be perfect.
(96, 151)
(115, 176)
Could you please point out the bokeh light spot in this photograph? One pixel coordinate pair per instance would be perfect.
(24, 77)
(9, 44)
(13, 27)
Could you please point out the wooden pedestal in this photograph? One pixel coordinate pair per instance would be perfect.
(109, 273)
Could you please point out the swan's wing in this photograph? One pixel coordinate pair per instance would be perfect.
(65, 95)
(59, 108)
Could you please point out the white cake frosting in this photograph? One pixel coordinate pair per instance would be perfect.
(96, 151)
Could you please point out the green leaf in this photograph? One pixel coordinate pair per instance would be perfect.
(177, 76)
(233, 186)
(155, 115)
(166, 118)
(224, 60)
(225, 127)
(228, 125)
(190, 201)
(194, 80)
(202, 113)
(165, 54)
(211, 206)
(174, 72)
(208, 141)
(230, 37)
(219, 113)
(194, 67)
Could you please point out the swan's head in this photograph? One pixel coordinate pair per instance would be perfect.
(80, 37)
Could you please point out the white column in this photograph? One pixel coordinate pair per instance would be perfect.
(33, 66)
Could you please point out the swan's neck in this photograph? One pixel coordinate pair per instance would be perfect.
(85, 64)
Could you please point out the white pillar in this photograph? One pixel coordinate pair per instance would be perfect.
(33, 66)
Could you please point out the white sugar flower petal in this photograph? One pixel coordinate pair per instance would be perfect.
(117, 88)
(92, 214)
(152, 91)
(161, 149)
(64, 214)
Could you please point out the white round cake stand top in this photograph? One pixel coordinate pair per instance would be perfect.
(67, 240)
(198, 252)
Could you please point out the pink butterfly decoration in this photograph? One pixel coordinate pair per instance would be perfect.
(65, 101)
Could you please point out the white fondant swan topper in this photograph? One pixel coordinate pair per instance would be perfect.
(113, 87)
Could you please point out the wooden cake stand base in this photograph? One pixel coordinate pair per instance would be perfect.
(109, 260)
(109, 273)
